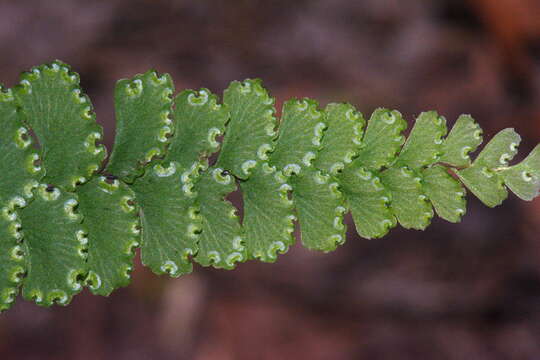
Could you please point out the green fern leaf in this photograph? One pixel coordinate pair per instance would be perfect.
(221, 241)
(268, 213)
(251, 130)
(199, 119)
(423, 146)
(369, 201)
(55, 247)
(465, 137)
(408, 202)
(482, 178)
(62, 119)
(320, 207)
(169, 219)
(382, 140)
(445, 193)
(300, 133)
(500, 150)
(143, 107)
(112, 219)
(342, 138)
(524, 178)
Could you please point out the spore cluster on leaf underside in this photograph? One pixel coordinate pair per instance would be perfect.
(70, 220)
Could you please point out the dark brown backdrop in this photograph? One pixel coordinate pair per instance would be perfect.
(467, 291)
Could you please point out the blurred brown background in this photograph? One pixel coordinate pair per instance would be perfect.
(467, 291)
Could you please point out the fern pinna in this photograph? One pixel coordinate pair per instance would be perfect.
(67, 223)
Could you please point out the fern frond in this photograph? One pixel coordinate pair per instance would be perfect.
(61, 115)
(268, 213)
(64, 224)
(109, 211)
(143, 107)
(55, 247)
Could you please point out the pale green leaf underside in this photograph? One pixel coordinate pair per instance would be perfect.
(251, 130)
(199, 119)
(445, 193)
(499, 150)
(221, 243)
(18, 174)
(342, 139)
(464, 138)
(268, 213)
(368, 201)
(169, 220)
(143, 114)
(320, 207)
(372, 217)
(55, 247)
(108, 210)
(423, 146)
(300, 133)
(408, 201)
(382, 140)
(64, 123)
(487, 186)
